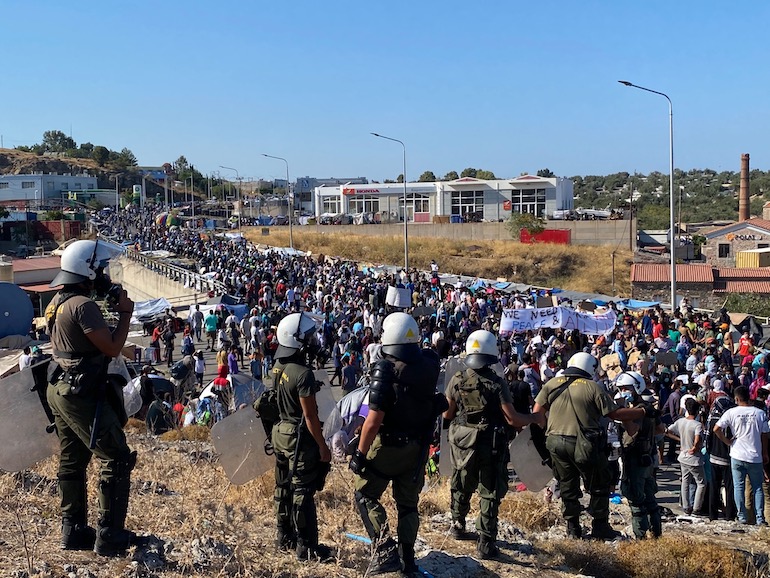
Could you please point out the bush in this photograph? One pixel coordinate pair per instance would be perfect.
(519, 221)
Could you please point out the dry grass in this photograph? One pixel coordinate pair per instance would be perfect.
(192, 433)
(529, 511)
(682, 557)
(580, 268)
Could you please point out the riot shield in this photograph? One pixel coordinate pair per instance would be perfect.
(23, 430)
(240, 441)
(527, 463)
(444, 465)
(453, 365)
(324, 397)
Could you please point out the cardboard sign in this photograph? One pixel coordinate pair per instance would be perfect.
(398, 297)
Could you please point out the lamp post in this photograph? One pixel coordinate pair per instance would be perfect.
(674, 237)
(237, 178)
(192, 198)
(289, 196)
(406, 214)
(117, 193)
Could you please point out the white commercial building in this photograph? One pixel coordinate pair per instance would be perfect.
(467, 199)
(38, 188)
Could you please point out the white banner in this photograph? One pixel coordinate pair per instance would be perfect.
(519, 320)
(398, 297)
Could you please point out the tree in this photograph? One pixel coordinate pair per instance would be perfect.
(54, 215)
(485, 175)
(451, 176)
(546, 173)
(100, 154)
(469, 172)
(126, 158)
(519, 221)
(181, 165)
(4, 212)
(95, 205)
(427, 177)
(56, 141)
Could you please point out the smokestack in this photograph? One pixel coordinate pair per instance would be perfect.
(743, 197)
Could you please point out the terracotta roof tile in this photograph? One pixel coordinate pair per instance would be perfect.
(659, 273)
(739, 273)
(757, 222)
(742, 287)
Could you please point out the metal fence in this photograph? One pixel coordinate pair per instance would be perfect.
(188, 278)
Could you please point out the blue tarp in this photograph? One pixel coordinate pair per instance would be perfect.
(628, 303)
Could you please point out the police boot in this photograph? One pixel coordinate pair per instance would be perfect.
(487, 548)
(574, 529)
(459, 532)
(656, 526)
(407, 556)
(285, 539)
(307, 552)
(77, 535)
(601, 530)
(75, 532)
(384, 558)
(112, 539)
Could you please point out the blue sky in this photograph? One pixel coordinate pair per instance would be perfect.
(507, 86)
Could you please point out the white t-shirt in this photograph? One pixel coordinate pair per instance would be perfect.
(374, 352)
(747, 425)
(25, 361)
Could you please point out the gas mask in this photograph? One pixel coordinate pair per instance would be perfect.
(105, 289)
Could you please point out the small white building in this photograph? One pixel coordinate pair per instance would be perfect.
(466, 198)
(35, 189)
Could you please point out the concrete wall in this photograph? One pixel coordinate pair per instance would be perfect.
(620, 233)
(143, 284)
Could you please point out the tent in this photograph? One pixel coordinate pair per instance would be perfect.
(232, 303)
(146, 311)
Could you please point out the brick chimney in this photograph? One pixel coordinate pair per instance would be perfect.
(743, 197)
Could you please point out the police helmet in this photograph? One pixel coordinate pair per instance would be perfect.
(632, 379)
(81, 260)
(584, 362)
(294, 332)
(401, 337)
(480, 349)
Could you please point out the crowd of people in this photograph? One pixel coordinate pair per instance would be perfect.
(660, 388)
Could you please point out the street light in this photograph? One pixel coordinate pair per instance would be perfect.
(192, 197)
(117, 193)
(237, 178)
(674, 238)
(290, 197)
(406, 215)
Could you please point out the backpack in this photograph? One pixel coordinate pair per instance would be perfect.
(168, 337)
(179, 370)
(474, 392)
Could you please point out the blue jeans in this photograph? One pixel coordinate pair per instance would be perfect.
(756, 475)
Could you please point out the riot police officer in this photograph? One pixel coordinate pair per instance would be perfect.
(88, 405)
(481, 409)
(576, 405)
(637, 482)
(300, 448)
(394, 442)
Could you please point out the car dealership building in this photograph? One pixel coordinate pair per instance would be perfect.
(466, 198)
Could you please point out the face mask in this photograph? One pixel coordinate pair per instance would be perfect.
(682, 389)
(627, 396)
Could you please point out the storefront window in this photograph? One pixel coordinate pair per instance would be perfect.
(331, 205)
(464, 202)
(364, 204)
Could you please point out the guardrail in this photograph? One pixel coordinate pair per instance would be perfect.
(189, 278)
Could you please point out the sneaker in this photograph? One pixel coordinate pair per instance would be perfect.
(603, 531)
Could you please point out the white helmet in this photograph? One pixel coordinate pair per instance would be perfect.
(400, 336)
(631, 379)
(585, 362)
(80, 261)
(481, 349)
(294, 332)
